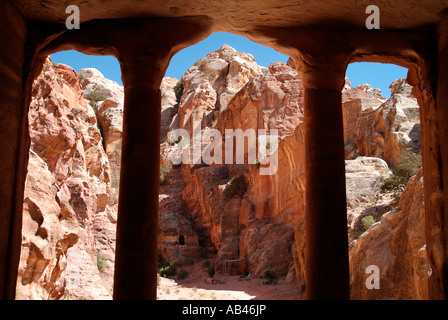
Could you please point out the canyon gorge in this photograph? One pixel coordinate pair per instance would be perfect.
(222, 212)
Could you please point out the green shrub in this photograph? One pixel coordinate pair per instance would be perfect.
(168, 271)
(210, 75)
(96, 96)
(116, 183)
(362, 226)
(410, 163)
(236, 187)
(211, 270)
(206, 264)
(270, 277)
(182, 274)
(367, 222)
(179, 90)
(100, 262)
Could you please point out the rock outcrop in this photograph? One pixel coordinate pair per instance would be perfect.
(396, 245)
(67, 149)
(381, 130)
(230, 202)
(211, 83)
(106, 97)
(46, 236)
(364, 177)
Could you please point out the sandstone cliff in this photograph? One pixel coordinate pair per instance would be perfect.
(382, 129)
(266, 208)
(68, 224)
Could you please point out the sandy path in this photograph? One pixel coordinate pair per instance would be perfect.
(194, 288)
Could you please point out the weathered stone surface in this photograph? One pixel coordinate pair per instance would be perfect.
(364, 177)
(279, 198)
(94, 81)
(169, 104)
(267, 247)
(256, 13)
(396, 244)
(14, 95)
(65, 137)
(382, 131)
(211, 83)
(106, 97)
(273, 100)
(46, 236)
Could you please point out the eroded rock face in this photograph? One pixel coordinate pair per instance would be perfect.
(396, 245)
(46, 236)
(268, 247)
(270, 206)
(170, 104)
(271, 99)
(211, 83)
(106, 97)
(67, 154)
(384, 130)
(364, 177)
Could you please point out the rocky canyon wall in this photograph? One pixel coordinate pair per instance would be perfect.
(68, 218)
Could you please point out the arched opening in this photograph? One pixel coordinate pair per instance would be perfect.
(229, 211)
(71, 191)
(384, 183)
(239, 211)
(417, 41)
(181, 240)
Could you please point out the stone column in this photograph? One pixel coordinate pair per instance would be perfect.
(14, 143)
(437, 235)
(326, 255)
(137, 226)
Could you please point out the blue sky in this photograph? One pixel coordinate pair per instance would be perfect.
(376, 74)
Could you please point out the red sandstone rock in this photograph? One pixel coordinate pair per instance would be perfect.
(271, 101)
(396, 244)
(65, 137)
(211, 83)
(382, 130)
(46, 237)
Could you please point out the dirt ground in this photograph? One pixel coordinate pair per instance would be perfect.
(194, 287)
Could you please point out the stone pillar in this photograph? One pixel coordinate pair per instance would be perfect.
(326, 255)
(437, 235)
(14, 143)
(137, 226)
